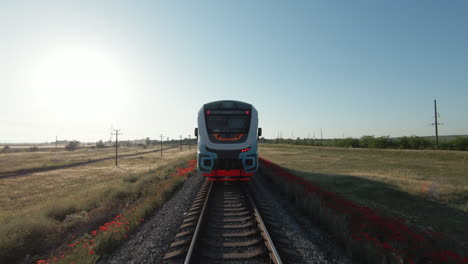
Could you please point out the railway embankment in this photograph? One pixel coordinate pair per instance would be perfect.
(368, 235)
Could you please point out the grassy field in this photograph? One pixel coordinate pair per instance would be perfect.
(47, 157)
(428, 188)
(40, 208)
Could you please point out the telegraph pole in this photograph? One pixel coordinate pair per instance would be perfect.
(161, 144)
(55, 143)
(436, 124)
(436, 128)
(116, 133)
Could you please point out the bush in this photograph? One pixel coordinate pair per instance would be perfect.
(5, 149)
(419, 143)
(100, 144)
(33, 148)
(459, 143)
(147, 141)
(72, 145)
(347, 143)
(60, 211)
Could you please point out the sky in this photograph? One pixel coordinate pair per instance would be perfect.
(77, 69)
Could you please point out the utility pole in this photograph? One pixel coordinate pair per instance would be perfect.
(321, 135)
(161, 144)
(189, 143)
(116, 133)
(436, 124)
(55, 143)
(180, 142)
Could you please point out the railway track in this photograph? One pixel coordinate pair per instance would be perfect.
(223, 225)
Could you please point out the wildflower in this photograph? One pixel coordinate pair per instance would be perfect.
(91, 252)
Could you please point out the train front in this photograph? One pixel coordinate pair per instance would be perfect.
(227, 141)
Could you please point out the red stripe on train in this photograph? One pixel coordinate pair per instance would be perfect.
(227, 173)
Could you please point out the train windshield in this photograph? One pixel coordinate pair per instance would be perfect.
(218, 124)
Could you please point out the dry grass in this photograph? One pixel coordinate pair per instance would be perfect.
(428, 188)
(22, 160)
(36, 209)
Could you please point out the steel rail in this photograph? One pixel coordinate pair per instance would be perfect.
(198, 227)
(275, 256)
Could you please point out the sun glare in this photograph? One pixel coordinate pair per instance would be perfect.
(77, 78)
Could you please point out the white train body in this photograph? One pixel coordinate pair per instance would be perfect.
(228, 140)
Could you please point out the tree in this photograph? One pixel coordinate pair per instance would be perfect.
(72, 145)
(33, 148)
(460, 143)
(5, 148)
(148, 141)
(100, 144)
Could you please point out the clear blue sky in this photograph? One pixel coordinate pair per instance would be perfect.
(76, 68)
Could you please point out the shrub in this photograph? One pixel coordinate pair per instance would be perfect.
(60, 211)
(72, 145)
(460, 143)
(33, 148)
(100, 144)
(419, 143)
(347, 143)
(5, 148)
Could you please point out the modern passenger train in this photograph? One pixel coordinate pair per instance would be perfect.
(228, 135)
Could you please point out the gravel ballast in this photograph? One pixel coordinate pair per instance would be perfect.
(311, 243)
(149, 243)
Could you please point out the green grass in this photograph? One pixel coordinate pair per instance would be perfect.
(428, 188)
(40, 210)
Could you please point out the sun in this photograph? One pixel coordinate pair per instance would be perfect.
(78, 79)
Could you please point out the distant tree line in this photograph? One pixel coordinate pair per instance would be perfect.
(384, 142)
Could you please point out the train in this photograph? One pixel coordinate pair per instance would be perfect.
(227, 136)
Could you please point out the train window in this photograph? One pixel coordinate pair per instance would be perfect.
(227, 123)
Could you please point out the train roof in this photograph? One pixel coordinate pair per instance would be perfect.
(228, 104)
